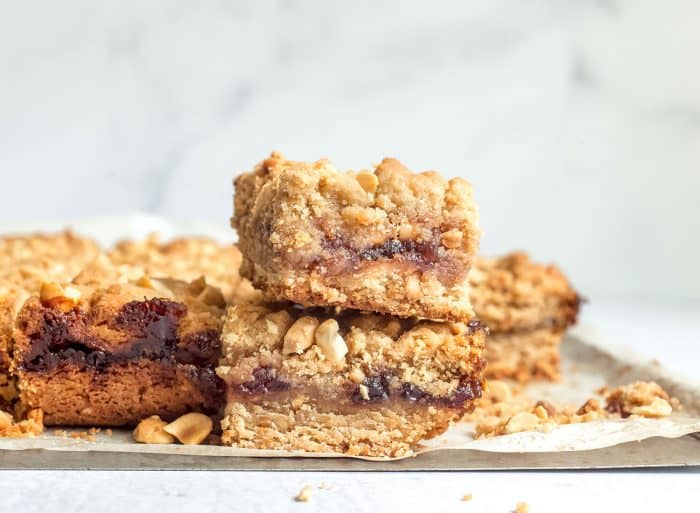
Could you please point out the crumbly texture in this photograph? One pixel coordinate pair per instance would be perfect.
(30, 260)
(11, 299)
(319, 380)
(506, 408)
(29, 423)
(26, 261)
(524, 355)
(186, 259)
(386, 240)
(112, 355)
(642, 398)
(527, 307)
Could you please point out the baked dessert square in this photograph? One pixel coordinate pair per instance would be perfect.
(319, 380)
(112, 355)
(527, 307)
(386, 240)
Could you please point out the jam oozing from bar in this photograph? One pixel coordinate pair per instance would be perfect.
(150, 326)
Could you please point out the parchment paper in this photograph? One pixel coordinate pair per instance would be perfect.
(589, 362)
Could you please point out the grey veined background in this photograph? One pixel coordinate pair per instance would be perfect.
(578, 122)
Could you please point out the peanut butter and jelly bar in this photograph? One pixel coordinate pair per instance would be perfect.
(385, 240)
(319, 380)
(113, 355)
(527, 307)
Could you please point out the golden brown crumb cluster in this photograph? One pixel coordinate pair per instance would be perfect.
(507, 408)
(385, 240)
(30, 424)
(527, 307)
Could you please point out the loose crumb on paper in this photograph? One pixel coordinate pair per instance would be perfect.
(521, 507)
(507, 409)
(304, 494)
(467, 497)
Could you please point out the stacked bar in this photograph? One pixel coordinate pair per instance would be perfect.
(386, 241)
(527, 307)
(338, 359)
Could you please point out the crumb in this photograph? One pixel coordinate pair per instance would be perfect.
(521, 507)
(324, 486)
(510, 410)
(108, 432)
(467, 497)
(31, 424)
(642, 398)
(84, 435)
(304, 494)
(60, 432)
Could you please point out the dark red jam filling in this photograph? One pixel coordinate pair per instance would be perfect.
(340, 255)
(381, 387)
(264, 380)
(423, 252)
(151, 326)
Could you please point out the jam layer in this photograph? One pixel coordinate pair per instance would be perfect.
(381, 389)
(147, 330)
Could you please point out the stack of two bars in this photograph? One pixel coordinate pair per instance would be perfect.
(366, 344)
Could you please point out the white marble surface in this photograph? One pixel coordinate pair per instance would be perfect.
(251, 492)
(577, 121)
